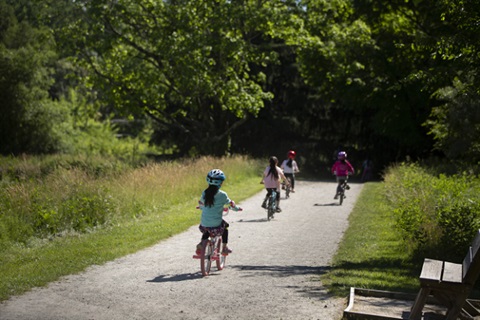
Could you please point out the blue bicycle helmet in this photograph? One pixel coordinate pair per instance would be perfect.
(216, 177)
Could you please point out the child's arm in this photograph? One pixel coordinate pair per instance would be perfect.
(281, 175)
(351, 168)
(234, 207)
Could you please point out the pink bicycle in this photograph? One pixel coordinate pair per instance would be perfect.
(211, 251)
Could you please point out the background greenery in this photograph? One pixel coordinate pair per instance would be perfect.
(106, 106)
(384, 80)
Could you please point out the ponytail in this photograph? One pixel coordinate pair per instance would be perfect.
(210, 193)
(273, 167)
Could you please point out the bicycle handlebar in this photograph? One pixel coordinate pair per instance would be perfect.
(231, 206)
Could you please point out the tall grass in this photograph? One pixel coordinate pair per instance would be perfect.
(62, 221)
(435, 213)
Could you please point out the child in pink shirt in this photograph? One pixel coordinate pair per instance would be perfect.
(272, 177)
(341, 169)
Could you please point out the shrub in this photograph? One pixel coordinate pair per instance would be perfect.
(436, 214)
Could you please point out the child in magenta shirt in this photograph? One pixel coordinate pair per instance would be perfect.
(341, 169)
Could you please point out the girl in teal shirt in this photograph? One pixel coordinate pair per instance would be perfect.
(212, 203)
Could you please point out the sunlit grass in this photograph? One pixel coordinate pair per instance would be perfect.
(148, 204)
(372, 254)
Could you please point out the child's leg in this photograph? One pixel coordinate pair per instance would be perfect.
(277, 198)
(205, 236)
(225, 249)
(225, 232)
(341, 180)
(264, 203)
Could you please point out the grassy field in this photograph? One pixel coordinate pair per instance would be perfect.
(372, 254)
(161, 202)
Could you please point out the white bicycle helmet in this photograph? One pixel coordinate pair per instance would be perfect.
(342, 155)
(216, 177)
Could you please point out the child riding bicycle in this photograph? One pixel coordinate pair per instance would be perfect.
(271, 178)
(212, 203)
(341, 169)
(290, 167)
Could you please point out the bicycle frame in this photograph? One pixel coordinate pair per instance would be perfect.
(344, 186)
(211, 251)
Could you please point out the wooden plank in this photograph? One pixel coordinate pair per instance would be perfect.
(432, 270)
(452, 272)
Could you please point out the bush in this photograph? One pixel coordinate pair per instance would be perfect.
(437, 214)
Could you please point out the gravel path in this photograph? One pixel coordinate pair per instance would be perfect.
(272, 273)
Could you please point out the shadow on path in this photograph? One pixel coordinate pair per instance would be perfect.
(254, 220)
(315, 289)
(280, 271)
(176, 278)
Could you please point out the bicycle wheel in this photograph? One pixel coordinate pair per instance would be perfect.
(342, 195)
(206, 257)
(271, 206)
(220, 257)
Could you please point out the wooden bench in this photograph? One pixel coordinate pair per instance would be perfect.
(450, 284)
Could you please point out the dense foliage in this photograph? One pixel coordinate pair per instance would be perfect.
(387, 80)
(437, 214)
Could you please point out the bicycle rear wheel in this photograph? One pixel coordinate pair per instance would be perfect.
(342, 195)
(271, 206)
(206, 257)
(221, 258)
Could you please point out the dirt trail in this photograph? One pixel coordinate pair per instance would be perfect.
(272, 273)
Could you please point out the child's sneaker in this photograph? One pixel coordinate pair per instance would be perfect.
(226, 250)
(264, 205)
(199, 249)
(336, 197)
(278, 209)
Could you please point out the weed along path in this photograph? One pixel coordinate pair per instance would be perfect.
(272, 273)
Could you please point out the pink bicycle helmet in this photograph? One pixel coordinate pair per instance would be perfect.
(291, 154)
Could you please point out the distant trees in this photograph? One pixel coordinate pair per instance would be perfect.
(26, 118)
(387, 79)
(186, 64)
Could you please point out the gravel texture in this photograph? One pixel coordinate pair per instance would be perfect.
(273, 272)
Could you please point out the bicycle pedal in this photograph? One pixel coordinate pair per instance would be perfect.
(196, 256)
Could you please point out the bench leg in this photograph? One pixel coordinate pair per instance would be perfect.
(416, 311)
(456, 309)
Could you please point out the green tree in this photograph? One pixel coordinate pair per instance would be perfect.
(186, 64)
(27, 119)
(455, 121)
